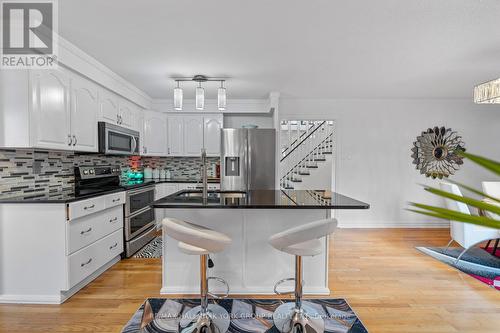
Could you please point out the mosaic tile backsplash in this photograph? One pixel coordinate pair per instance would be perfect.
(33, 171)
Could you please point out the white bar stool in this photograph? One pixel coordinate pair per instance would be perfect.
(197, 240)
(300, 241)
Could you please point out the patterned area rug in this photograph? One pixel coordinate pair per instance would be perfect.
(247, 315)
(152, 250)
(476, 262)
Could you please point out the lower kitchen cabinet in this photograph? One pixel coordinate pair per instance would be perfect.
(162, 190)
(52, 250)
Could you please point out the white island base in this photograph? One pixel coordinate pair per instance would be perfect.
(250, 265)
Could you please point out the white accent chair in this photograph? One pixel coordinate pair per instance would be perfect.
(465, 234)
(200, 241)
(493, 190)
(300, 241)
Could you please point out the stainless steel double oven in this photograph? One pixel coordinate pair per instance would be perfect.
(140, 226)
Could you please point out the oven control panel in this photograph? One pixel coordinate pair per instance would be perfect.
(88, 172)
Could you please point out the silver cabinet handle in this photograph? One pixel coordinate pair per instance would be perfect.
(168, 151)
(86, 231)
(116, 200)
(121, 119)
(89, 207)
(113, 246)
(86, 263)
(113, 220)
(74, 140)
(117, 118)
(70, 140)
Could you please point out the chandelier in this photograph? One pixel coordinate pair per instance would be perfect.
(488, 92)
(200, 92)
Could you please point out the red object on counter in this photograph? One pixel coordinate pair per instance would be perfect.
(217, 170)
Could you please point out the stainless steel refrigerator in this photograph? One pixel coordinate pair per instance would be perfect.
(248, 159)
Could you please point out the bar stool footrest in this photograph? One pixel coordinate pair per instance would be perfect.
(281, 282)
(224, 282)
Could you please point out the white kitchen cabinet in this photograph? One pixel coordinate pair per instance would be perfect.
(212, 126)
(66, 247)
(117, 110)
(162, 190)
(84, 110)
(193, 135)
(108, 107)
(155, 134)
(50, 124)
(175, 133)
(127, 113)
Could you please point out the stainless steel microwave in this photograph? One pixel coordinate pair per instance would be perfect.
(117, 140)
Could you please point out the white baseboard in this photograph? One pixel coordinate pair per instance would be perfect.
(246, 291)
(59, 297)
(394, 224)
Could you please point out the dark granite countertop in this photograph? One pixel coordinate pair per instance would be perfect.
(263, 199)
(55, 197)
(182, 180)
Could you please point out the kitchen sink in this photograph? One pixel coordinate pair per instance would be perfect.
(211, 195)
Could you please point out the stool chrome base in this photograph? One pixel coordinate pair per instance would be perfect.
(288, 319)
(215, 320)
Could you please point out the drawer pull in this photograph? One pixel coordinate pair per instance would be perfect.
(113, 246)
(113, 220)
(86, 231)
(116, 200)
(89, 207)
(86, 263)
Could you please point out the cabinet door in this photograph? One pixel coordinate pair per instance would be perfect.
(108, 107)
(84, 110)
(51, 109)
(211, 134)
(175, 133)
(127, 113)
(155, 133)
(140, 127)
(193, 135)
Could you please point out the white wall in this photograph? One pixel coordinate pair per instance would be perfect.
(374, 138)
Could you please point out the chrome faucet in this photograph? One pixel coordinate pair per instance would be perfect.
(204, 173)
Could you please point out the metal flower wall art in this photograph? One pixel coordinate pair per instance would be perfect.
(435, 152)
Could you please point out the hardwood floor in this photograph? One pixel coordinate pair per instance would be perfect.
(390, 285)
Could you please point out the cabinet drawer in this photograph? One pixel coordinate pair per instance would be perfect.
(86, 261)
(115, 199)
(86, 230)
(85, 207)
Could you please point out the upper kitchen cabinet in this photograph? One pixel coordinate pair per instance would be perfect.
(155, 134)
(211, 134)
(188, 134)
(84, 111)
(50, 125)
(175, 134)
(127, 113)
(108, 107)
(193, 135)
(117, 110)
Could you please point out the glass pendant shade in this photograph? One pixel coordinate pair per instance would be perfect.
(200, 98)
(221, 98)
(488, 92)
(178, 98)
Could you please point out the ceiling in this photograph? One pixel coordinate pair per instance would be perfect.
(303, 49)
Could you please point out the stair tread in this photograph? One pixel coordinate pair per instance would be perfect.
(312, 166)
(320, 159)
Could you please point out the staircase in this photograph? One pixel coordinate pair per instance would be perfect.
(307, 146)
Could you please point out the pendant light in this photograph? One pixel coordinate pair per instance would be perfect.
(221, 97)
(178, 97)
(200, 97)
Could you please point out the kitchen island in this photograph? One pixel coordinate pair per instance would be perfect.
(250, 265)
